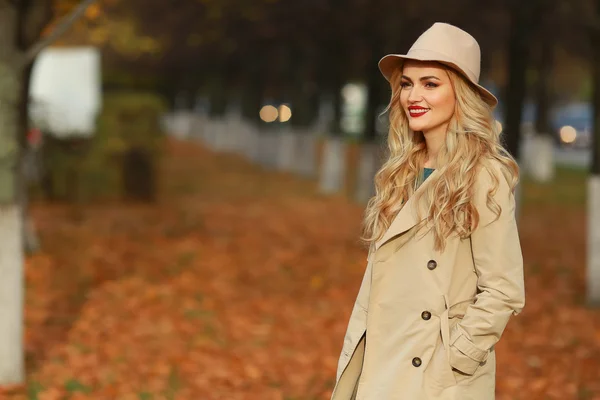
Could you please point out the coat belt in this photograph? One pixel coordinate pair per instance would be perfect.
(457, 310)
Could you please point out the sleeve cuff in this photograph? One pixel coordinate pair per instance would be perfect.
(464, 355)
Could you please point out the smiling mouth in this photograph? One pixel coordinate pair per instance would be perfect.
(417, 112)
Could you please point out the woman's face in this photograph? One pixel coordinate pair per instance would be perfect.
(426, 96)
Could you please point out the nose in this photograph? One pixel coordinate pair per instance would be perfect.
(415, 95)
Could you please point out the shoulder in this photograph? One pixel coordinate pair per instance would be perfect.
(492, 175)
(493, 193)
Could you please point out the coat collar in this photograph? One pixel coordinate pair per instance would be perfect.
(407, 217)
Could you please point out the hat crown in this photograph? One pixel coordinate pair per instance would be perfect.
(455, 44)
(448, 45)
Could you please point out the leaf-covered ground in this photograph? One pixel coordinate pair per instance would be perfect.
(238, 284)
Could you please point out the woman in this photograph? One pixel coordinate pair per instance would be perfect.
(445, 270)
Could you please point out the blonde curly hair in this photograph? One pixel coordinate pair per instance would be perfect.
(472, 142)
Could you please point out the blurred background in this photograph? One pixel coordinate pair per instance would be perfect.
(182, 186)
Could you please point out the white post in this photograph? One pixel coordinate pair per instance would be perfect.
(12, 367)
(252, 141)
(197, 128)
(305, 155)
(234, 124)
(218, 128)
(333, 165)
(541, 158)
(272, 140)
(287, 148)
(369, 164)
(264, 148)
(593, 246)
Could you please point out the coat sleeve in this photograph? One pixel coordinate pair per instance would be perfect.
(499, 266)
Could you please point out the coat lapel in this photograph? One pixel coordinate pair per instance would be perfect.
(407, 217)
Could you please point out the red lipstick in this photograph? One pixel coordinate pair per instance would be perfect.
(416, 111)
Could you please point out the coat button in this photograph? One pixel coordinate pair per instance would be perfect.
(426, 315)
(416, 362)
(431, 265)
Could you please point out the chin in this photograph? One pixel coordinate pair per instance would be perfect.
(417, 126)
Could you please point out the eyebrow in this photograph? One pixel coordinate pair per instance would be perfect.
(424, 78)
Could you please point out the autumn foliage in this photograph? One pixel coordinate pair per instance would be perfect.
(238, 284)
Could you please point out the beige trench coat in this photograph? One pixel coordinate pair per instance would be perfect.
(424, 323)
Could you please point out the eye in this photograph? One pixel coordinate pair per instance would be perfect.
(431, 85)
(404, 84)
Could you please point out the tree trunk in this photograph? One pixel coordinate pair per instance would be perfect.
(253, 85)
(543, 92)
(21, 24)
(370, 151)
(593, 246)
(541, 155)
(336, 95)
(521, 27)
(11, 247)
(12, 362)
(30, 238)
(303, 88)
(374, 92)
(251, 98)
(218, 91)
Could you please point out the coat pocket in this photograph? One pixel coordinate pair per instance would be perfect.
(439, 370)
(446, 375)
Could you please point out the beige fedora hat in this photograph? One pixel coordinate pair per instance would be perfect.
(448, 45)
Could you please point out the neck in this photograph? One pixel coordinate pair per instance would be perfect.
(434, 140)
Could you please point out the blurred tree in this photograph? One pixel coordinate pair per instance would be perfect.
(543, 86)
(593, 281)
(524, 19)
(579, 35)
(541, 157)
(22, 37)
(232, 46)
(333, 39)
(378, 20)
(210, 47)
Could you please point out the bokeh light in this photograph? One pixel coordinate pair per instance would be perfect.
(268, 113)
(568, 134)
(285, 113)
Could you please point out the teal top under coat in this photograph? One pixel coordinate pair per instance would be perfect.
(427, 172)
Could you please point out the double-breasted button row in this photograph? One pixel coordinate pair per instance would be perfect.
(425, 315)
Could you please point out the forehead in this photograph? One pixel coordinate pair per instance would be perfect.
(417, 69)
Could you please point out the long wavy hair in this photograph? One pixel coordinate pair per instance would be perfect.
(472, 141)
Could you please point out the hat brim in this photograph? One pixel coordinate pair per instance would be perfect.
(390, 62)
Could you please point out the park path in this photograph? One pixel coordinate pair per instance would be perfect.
(238, 284)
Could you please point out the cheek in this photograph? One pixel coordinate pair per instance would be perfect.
(404, 99)
(443, 102)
